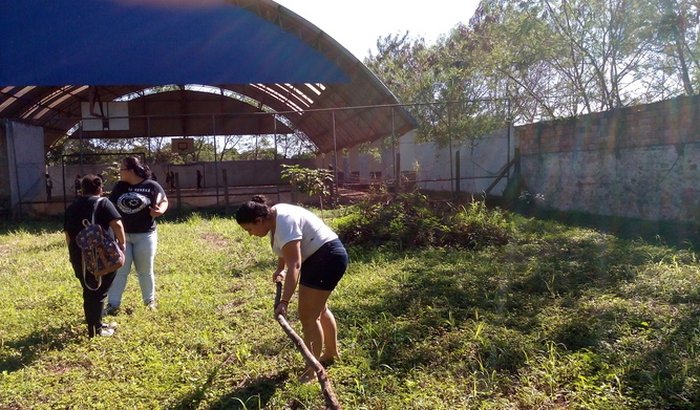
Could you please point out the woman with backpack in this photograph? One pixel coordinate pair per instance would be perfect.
(139, 200)
(106, 216)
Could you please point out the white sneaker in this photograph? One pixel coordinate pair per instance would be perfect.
(110, 325)
(105, 332)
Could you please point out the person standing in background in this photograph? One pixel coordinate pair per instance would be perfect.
(139, 200)
(199, 179)
(49, 186)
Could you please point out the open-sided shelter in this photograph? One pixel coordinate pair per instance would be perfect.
(234, 60)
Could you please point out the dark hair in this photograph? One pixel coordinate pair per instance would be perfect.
(91, 184)
(141, 170)
(250, 211)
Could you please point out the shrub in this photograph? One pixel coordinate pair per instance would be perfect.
(412, 220)
(476, 226)
(314, 182)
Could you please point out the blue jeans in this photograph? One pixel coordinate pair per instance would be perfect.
(141, 249)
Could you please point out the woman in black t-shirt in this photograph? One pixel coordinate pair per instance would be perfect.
(139, 200)
(108, 218)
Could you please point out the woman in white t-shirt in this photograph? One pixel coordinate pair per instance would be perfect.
(311, 254)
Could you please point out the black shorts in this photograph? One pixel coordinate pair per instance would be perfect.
(324, 268)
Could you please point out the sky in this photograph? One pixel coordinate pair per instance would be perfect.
(357, 24)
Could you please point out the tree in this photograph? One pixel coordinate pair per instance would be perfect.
(313, 182)
(228, 149)
(449, 100)
(568, 57)
(548, 58)
(295, 145)
(678, 29)
(93, 151)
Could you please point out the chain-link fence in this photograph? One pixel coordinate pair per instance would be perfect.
(458, 147)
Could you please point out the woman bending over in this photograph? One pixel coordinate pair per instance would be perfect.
(310, 254)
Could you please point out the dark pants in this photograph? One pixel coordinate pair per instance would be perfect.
(93, 300)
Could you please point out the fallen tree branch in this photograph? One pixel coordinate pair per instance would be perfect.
(321, 375)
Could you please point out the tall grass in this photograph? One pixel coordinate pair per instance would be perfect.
(555, 317)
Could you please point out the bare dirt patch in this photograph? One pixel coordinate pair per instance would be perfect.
(215, 240)
(4, 250)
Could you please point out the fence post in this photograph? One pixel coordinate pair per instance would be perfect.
(457, 175)
(397, 172)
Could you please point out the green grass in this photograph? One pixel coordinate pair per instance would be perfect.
(559, 317)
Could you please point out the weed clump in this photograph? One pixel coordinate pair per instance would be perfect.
(413, 220)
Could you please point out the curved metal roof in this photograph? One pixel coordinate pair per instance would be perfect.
(230, 58)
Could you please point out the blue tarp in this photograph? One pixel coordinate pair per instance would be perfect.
(124, 42)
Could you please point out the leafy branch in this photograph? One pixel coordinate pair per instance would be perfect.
(313, 182)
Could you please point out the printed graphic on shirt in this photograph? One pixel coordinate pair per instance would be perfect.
(132, 202)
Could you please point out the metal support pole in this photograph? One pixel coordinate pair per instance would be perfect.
(277, 163)
(216, 162)
(82, 148)
(510, 125)
(449, 137)
(335, 166)
(63, 172)
(397, 171)
(148, 132)
(397, 164)
(226, 199)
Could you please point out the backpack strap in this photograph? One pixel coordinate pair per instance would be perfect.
(85, 276)
(94, 208)
(94, 211)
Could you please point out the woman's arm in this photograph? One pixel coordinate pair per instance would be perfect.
(161, 205)
(279, 272)
(118, 229)
(291, 252)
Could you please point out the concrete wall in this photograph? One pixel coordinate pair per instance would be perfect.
(239, 173)
(365, 164)
(22, 165)
(69, 172)
(480, 161)
(638, 162)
